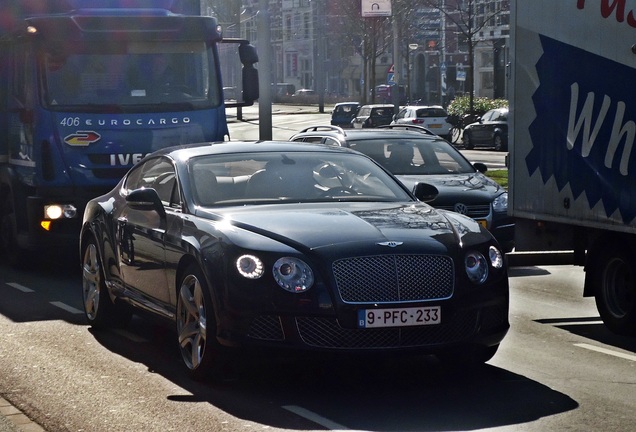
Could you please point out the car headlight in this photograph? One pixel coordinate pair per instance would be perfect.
(476, 267)
(500, 204)
(249, 266)
(496, 257)
(293, 274)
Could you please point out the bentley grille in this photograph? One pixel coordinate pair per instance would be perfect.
(394, 278)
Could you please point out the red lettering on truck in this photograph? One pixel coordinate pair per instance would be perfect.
(608, 7)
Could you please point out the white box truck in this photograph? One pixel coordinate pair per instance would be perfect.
(572, 168)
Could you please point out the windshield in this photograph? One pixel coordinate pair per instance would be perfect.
(253, 178)
(403, 156)
(131, 74)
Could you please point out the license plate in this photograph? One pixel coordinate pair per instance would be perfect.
(483, 223)
(399, 317)
(434, 126)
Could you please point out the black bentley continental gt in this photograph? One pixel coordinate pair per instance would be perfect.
(289, 245)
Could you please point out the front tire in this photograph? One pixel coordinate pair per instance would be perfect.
(498, 143)
(468, 144)
(615, 291)
(196, 327)
(99, 309)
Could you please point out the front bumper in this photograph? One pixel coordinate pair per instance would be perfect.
(484, 324)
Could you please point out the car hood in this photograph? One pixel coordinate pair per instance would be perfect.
(470, 188)
(358, 225)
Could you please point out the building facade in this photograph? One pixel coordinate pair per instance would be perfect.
(325, 44)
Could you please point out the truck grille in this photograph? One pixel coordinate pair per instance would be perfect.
(394, 278)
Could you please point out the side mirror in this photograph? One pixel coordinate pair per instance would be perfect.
(481, 167)
(425, 192)
(146, 199)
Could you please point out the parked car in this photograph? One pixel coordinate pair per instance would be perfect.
(430, 117)
(289, 246)
(305, 92)
(343, 113)
(462, 186)
(370, 116)
(490, 130)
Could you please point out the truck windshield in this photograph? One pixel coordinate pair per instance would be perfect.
(130, 76)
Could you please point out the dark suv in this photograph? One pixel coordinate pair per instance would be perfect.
(370, 116)
(415, 155)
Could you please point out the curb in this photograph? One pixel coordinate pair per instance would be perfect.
(17, 418)
(526, 259)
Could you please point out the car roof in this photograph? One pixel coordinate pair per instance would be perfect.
(395, 131)
(187, 151)
(378, 106)
(425, 106)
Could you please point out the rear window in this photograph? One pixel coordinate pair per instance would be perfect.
(381, 112)
(431, 112)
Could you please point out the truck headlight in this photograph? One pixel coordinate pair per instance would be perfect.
(59, 211)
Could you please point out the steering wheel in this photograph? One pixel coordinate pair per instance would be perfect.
(338, 191)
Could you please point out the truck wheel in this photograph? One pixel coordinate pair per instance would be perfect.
(14, 255)
(615, 284)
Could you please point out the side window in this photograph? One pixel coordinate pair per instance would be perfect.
(158, 174)
(332, 142)
(402, 114)
(22, 75)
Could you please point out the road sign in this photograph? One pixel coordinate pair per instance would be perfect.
(390, 78)
(376, 8)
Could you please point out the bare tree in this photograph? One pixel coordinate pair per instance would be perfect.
(408, 24)
(469, 17)
(370, 36)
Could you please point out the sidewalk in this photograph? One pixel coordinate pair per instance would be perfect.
(251, 112)
(13, 420)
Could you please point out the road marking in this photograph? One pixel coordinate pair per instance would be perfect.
(607, 351)
(20, 287)
(318, 419)
(66, 307)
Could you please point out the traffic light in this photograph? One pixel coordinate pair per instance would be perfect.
(431, 44)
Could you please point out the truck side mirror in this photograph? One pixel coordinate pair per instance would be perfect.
(249, 74)
(249, 56)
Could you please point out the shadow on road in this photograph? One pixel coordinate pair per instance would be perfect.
(414, 393)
